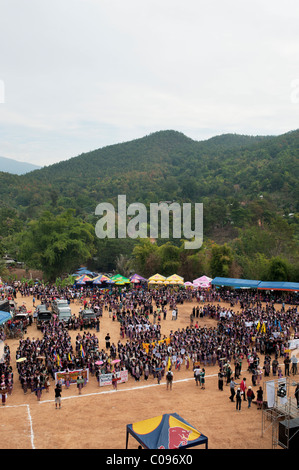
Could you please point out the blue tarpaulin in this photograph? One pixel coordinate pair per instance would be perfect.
(253, 284)
(167, 431)
(293, 286)
(4, 317)
(237, 283)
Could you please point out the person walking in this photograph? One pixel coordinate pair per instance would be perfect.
(202, 378)
(243, 387)
(259, 398)
(80, 382)
(169, 379)
(107, 340)
(294, 362)
(220, 381)
(250, 396)
(197, 371)
(114, 381)
(287, 365)
(238, 399)
(58, 395)
(232, 389)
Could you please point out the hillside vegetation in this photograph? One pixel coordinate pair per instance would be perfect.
(248, 186)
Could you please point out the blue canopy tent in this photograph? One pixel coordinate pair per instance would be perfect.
(236, 283)
(4, 317)
(289, 286)
(167, 431)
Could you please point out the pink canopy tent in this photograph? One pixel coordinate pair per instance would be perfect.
(203, 281)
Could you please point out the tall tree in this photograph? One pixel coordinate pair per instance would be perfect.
(57, 244)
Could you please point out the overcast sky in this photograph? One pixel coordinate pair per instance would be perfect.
(77, 75)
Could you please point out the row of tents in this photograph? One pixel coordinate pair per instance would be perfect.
(84, 277)
(157, 279)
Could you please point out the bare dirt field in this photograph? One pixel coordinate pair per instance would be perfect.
(97, 419)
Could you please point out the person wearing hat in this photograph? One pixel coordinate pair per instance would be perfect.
(250, 396)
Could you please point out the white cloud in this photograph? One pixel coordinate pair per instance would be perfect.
(83, 74)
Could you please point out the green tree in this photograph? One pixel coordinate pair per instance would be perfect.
(221, 260)
(57, 244)
(278, 270)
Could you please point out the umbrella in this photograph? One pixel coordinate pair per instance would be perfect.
(98, 363)
(115, 361)
(21, 359)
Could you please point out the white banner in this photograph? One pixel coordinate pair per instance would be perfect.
(294, 344)
(106, 379)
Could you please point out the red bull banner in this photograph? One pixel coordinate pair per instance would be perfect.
(71, 376)
(106, 379)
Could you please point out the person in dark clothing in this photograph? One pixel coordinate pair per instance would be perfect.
(259, 398)
(287, 366)
(58, 395)
(220, 381)
(107, 339)
(238, 399)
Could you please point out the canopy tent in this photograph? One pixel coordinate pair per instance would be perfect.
(203, 280)
(157, 277)
(4, 317)
(100, 279)
(137, 278)
(174, 279)
(237, 283)
(167, 431)
(289, 286)
(120, 280)
(84, 271)
(83, 278)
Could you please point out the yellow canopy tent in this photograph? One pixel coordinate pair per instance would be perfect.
(157, 277)
(175, 279)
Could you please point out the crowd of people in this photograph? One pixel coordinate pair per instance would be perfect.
(244, 333)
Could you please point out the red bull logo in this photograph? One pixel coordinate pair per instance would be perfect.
(177, 437)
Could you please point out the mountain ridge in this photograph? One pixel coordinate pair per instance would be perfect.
(16, 167)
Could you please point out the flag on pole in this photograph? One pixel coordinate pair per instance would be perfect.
(82, 350)
(169, 363)
(58, 360)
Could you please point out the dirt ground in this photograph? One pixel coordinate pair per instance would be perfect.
(97, 419)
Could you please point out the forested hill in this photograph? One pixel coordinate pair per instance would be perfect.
(165, 165)
(248, 186)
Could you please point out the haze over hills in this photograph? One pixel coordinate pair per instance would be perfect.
(16, 167)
